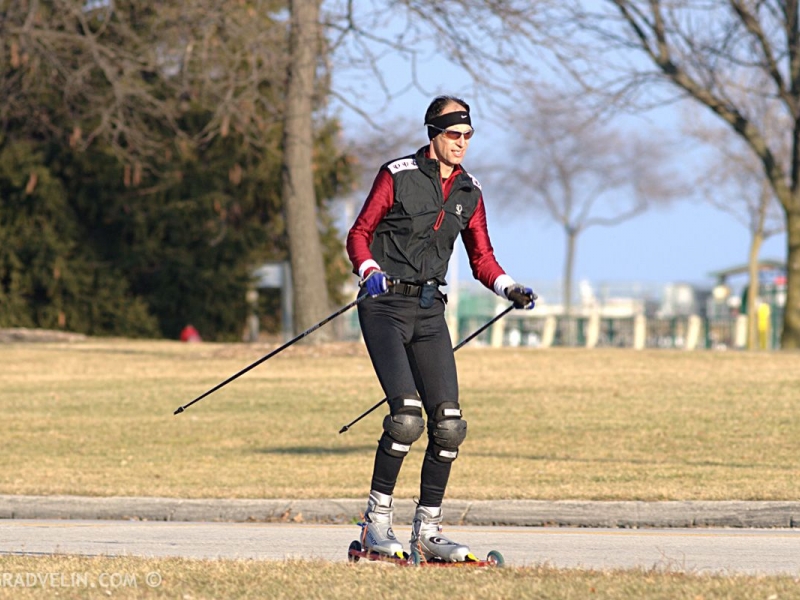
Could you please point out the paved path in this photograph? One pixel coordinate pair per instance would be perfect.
(775, 551)
(568, 513)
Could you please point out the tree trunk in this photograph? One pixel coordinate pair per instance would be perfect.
(569, 263)
(311, 301)
(790, 338)
(752, 292)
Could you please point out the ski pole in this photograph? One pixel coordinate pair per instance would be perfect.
(464, 341)
(345, 308)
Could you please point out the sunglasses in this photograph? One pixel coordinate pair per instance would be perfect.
(451, 134)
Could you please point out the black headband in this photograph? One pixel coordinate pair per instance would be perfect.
(437, 124)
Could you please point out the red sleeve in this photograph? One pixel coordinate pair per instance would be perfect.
(378, 203)
(485, 267)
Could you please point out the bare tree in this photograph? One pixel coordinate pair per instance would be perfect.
(299, 200)
(714, 53)
(94, 58)
(583, 173)
(125, 73)
(488, 40)
(734, 182)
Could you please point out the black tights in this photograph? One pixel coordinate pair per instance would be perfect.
(411, 352)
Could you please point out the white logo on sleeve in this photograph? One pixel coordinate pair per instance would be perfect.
(404, 164)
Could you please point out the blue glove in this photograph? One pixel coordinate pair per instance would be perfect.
(375, 283)
(521, 296)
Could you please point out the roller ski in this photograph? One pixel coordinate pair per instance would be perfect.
(377, 540)
(430, 548)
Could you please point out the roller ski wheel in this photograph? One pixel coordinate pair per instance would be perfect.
(493, 559)
(357, 551)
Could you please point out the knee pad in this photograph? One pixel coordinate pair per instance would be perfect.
(403, 425)
(446, 431)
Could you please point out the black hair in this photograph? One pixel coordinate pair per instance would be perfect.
(436, 107)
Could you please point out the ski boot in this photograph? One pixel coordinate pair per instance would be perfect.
(427, 542)
(377, 534)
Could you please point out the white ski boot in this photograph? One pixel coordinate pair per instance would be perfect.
(429, 544)
(378, 535)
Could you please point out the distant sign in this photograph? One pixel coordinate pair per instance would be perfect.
(269, 275)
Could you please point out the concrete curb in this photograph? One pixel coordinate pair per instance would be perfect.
(534, 513)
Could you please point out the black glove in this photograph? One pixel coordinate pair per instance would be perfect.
(521, 296)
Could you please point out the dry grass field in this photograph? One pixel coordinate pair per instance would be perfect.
(74, 577)
(95, 417)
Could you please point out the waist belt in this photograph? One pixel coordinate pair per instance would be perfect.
(407, 289)
(411, 289)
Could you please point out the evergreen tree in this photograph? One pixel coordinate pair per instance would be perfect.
(145, 185)
(48, 277)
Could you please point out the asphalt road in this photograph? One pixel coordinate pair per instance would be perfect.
(761, 551)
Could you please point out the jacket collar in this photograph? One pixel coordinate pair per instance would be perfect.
(430, 166)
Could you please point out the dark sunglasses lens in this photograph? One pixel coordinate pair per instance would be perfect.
(455, 135)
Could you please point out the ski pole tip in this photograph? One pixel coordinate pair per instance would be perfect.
(179, 411)
(343, 429)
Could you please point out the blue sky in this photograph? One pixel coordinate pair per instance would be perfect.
(682, 243)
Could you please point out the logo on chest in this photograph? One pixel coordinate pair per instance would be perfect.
(459, 209)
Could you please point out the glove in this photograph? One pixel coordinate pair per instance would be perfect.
(521, 296)
(375, 283)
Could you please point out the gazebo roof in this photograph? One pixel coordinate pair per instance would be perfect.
(763, 265)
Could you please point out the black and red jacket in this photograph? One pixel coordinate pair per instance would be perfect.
(411, 219)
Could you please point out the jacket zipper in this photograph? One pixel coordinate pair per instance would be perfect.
(439, 220)
(440, 217)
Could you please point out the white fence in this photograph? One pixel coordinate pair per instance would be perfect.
(624, 315)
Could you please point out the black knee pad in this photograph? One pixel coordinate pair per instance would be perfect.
(446, 431)
(403, 425)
